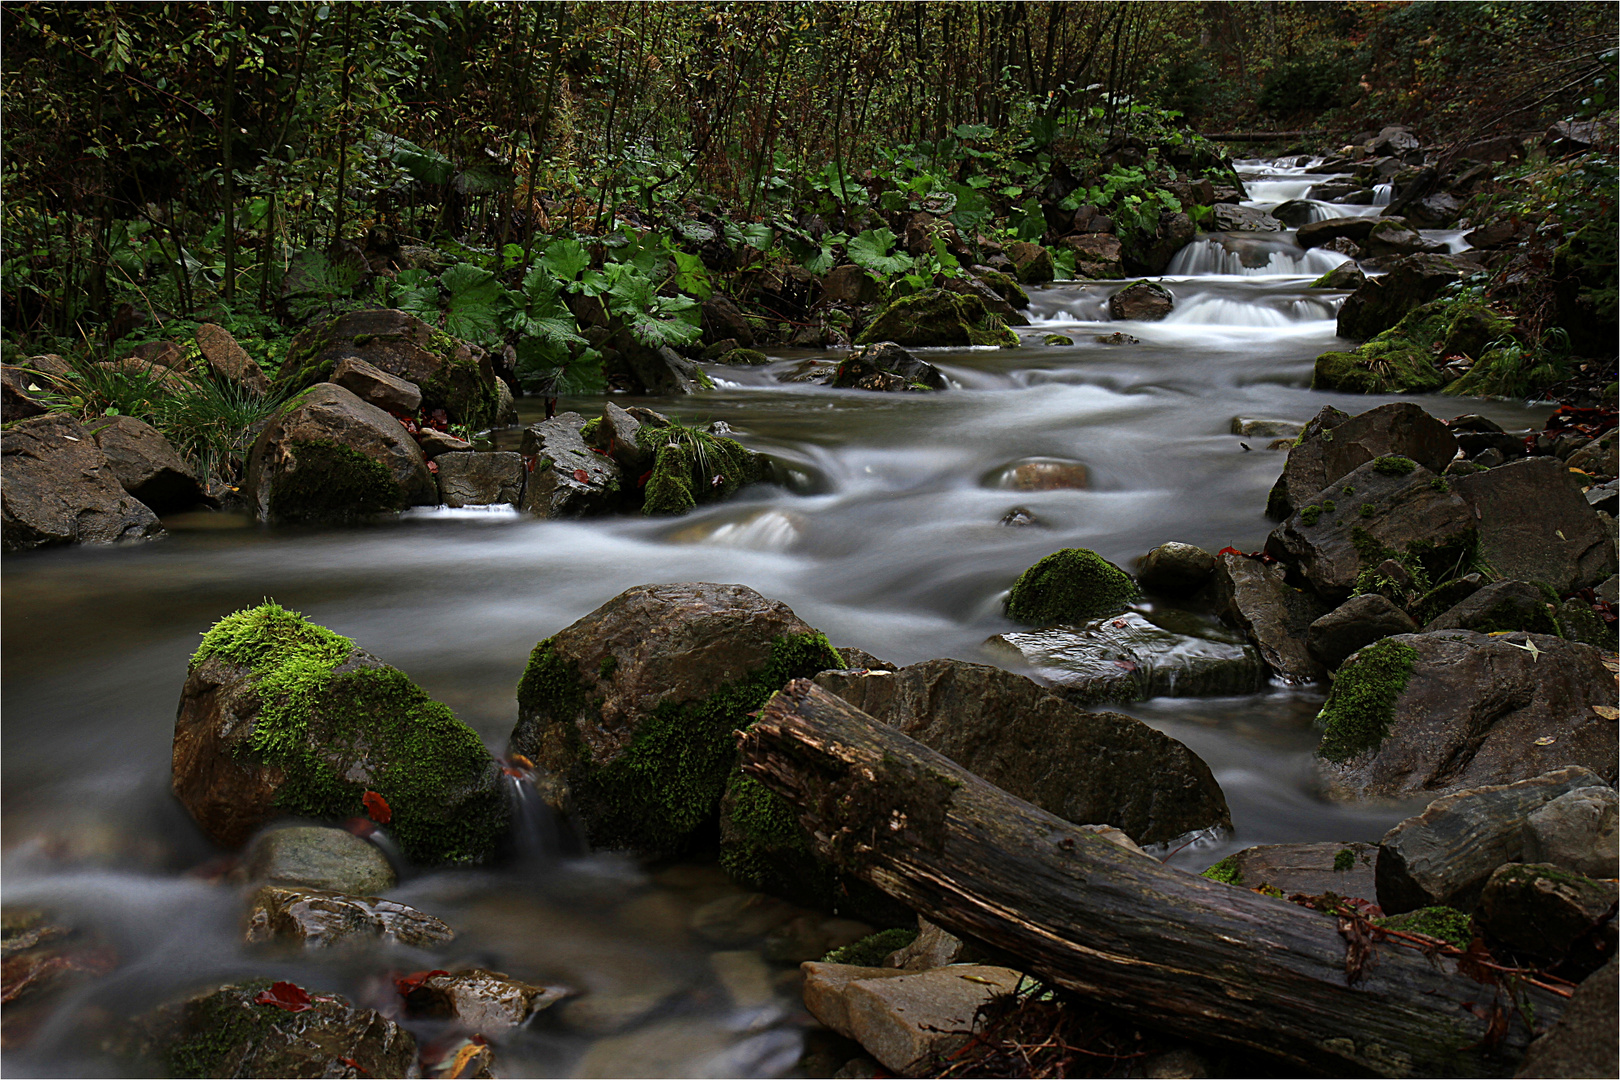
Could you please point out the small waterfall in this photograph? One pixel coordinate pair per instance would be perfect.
(1213, 256)
(1279, 191)
(1382, 193)
(539, 835)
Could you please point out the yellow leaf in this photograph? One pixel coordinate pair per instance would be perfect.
(1546, 740)
(1608, 712)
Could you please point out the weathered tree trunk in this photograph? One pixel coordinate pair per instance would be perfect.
(1171, 949)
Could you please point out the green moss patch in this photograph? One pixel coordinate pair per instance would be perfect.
(1393, 465)
(935, 317)
(1344, 859)
(1069, 586)
(1361, 706)
(220, 1025)
(1226, 872)
(1448, 924)
(873, 949)
(763, 846)
(460, 387)
(333, 482)
(692, 467)
(1402, 359)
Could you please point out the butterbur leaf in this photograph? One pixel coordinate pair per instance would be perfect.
(284, 995)
(870, 251)
(377, 807)
(550, 370)
(473, 313)
(566, 259)
(758, 235)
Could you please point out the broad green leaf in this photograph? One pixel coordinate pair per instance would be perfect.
(539, 310)
(691, 276)
(1062, 262)
(758, 235)
(424, 166)
(973, 131)
(565, 259)
(551, 370)
(473, 312)
(870, 251)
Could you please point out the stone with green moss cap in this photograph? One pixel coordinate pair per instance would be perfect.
(1069, 586)
(644, 747)
(936, 317)
(280, 717)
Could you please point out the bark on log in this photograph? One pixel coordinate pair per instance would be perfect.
(1171, 949)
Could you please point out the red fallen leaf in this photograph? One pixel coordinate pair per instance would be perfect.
(433, 466)
(355, 1065)
(407, 984)
(1125, 665)
(1229, 551)
(377, 807)
(644, 478)
(529, 462)
(582, 476)
(284, 995)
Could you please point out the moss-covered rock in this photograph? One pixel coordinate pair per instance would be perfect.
(1361, 706)
(752, 357)
(1406, 358)
(1226, 872)
(872, 949)
(1448, 924)
(1069, 586)
(692, 467)
(936, 317)
(283, 718)
(644, 748)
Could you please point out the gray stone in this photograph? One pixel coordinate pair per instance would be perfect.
(318, 919)
(913, 1022)
(477, 999)
(334, 860)
(885, 357)
(480, 479)
(1258, 600)
(1444, 855)
(1085, 767)
(1360, 620)
(1499, 606)
(1312, 869)
(1333, 444)
(57, 487)
(1598, 459)
(1144, 301)
(1175, 569)
(1410, 283)
(1584, 1042)
(568, 480)
(1576, 831)
(825, 986)
(1609, 589)
(1534, 524)
(1265, 429)
(146, 464)
(229, 360)
(1233, 218)
(1540, 909)
(1604, 497)
(934, 947)
(1347, 275)
(377, 387)
(435, 442)
(1318, 233)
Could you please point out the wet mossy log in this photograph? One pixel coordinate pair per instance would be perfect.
(1208, 961)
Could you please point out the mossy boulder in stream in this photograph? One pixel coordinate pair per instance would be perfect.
(1407, 357)
(280, 717)
(935, 317)
(691, 467)
(1069, 586)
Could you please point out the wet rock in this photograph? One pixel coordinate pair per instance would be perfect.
(478, 479)
(617, 436)
(452, 375)
(17, 386)
(1070, 585)
(992, 300)
(41, 955)
(1347, 275)
(742, 357)
(375, 386)
(745, 977)
(933, 947)
(1098, 256)
(1445, 855)
(1175, 569)
(146, 464)
(1540, 910)
(660, 371)
(1578, 621)
(1230, 217)
(1534, 525)
(506, 410)
(319, 919)
(328, 456)
(1334, 443)
(435, 442)
(1045, 474)
(742, 917)
(632, 709)
(883, 365)
(860, 658)
(488, 1002)
(1313, 869)
(1118, 337)
(1575, 831)
(229, 360)
(912, 1022)
(1380, 302)
(1031, 261)
(1334, 540)
(1265, 429)
(1057, 340)
(1258, 600)
(1599, 458)
(937, 317)
(1359, 621)
(57, 487)
(722, 318)
(1143, 301)
(334, 860)
(1128, 658)
(1082, 766)
(1391, 237)
(568, 480)
(239, 1030)
(1174, 232)
(1499, 606)
(850, 284)
(280, 717)
(1423, 714)
(1584, 1042)
(1294, 212)
(1319, 233)
(1019, 517)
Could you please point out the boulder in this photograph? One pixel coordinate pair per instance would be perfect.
(1031, 261)
(435, 442)
(328, 456)
(265, 1029)
(640, 367)
(1071, 585)
(1174, 232)
(480, 1000)
(1599, 458)
(1098, 256)
(875, 366)
(1584, 1042)
(1577, 136)
(1257, 599)
(1426, 714)
(1318, 233)
(1497, 607)
(1294, 212)
(1444, 855)
(1313, 869)
(1128, 658)
(280, 717)
(1044, 474)
(1334, 443)
(479, 479)
(1360, 620)
(17, 386)
(1004, 285)
(850, 284)
(1390, 509)
(992, 300)
(1089, 768)
(453, 375)
(1579, 621)
(567, 480)
(57, 487)
(914, 1022)
(1230, 217)
(1347, 275)
(1541, 910)
(1575, 831)
(315, 857)
(1392, 236)
(692, 467)
(1177, 570)
(318, 919)
(506, 410)
(375, 386)
(1535, 525)
(825, 984)
(146, 464)
(722, 318)
(1143, 301)
(937, 317)
(230, 361)
(1411, 282)
(632, 710)
(742, 358)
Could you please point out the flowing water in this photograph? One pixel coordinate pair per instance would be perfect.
(887, 537)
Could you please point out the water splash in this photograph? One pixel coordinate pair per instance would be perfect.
(1251, 257)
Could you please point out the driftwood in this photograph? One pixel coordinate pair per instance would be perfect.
(1171, 949)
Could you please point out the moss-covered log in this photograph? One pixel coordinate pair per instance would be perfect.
(1194, 956)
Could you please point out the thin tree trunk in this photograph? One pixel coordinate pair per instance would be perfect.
(343, 126)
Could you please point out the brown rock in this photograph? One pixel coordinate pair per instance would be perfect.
(1333, 444)
(1540, 909)
(1144, 301)
(1096, 255)
(1258, 600)
(850, 284)
(488, 1002)
(16, 401)
(229, 360)
(1360, 620)
(1312, 869)
(912, 1023)
(825, 986)
(1049, 476)
(722, 318)
(317, 919)
(146, 464)
(1534, 525)
(1585, 1041)
(376, 387)
(480, 479)
(59, 488)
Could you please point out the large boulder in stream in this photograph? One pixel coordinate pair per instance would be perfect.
(146, 464)
(1535, 525)
(1255, 597)
(1429, 714)
(937, 317)
(452, 375)
(1334, 443)
(280, 717)
(1143, 301)
(1069, 586)
(328, 456)
(57, 487)
(1411, 282)
(885, 366)
(1090, 768)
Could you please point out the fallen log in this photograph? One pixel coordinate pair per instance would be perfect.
(1171, 949)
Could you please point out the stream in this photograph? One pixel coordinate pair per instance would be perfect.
(887, 538)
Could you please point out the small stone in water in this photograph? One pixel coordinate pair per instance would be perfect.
(1019, 517)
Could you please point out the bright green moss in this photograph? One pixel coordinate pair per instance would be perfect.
(592, 431)
(1069, 586)
(937, 317)
(1057, 339)
(692, 467)
(1393, 465)
(219, 1024)
(1367, 510)
(333, 483)
(1344, 859)
(1226, 872)
(873, 949)
(1361, 706)
(1347, 490)
(762, 844)
(1310, 515)
(1448, 924)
